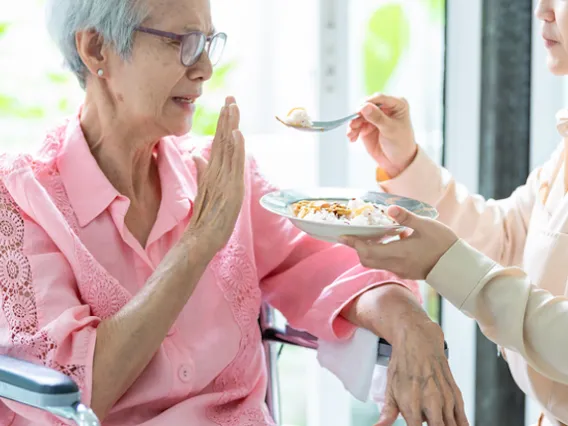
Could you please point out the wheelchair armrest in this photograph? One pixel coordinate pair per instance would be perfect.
(290, 336)
(384, 350)
(36, 385)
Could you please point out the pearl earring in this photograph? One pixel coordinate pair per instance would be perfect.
(100, 72)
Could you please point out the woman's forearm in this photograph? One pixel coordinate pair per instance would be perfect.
(390, 311)
(127, 341)
(496, 228)
(510, 309)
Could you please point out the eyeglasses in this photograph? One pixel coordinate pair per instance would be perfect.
(193, 44)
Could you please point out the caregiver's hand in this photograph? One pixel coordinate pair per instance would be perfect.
(386, 132)
(414, 255)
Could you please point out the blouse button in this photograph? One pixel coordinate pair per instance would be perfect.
(185, 373)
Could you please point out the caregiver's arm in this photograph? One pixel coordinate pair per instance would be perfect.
(496, 227)
(510, 310)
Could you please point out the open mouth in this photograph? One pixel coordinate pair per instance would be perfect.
(184, 100)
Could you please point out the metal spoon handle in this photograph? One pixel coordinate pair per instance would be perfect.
(335, 123)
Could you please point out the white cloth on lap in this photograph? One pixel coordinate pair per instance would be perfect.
(354, 363)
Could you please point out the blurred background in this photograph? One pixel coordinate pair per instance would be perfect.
(325, 55)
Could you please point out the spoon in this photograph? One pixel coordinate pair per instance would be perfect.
(320, 126)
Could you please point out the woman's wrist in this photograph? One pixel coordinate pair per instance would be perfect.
(198, 245)
(403, 317)
(390, 311)
(418, 328)
(390, 171)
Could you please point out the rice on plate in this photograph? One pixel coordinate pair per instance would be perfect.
(356, 212)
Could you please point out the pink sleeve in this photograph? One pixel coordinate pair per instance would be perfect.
(498, 228)
(42, 319)
(308, 280)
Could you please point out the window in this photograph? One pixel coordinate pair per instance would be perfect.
(35, 92)
(397, 47)
(269, 75)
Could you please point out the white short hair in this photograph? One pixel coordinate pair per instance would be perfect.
(114, 20)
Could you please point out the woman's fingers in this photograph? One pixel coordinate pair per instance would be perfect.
(231, 153)
(449, 417)
(386, 102)
(234, 120)
(373, 114)
(229, 143)
(223, 147)
(234, 116)
(201, 165)
(354, 128)
(221, 182)
(230, 100)
(238, 160)
(227, 139)
(406, 233)
(389, 413)
(352, 136)
(217, 145)
(356, 123)
(391, 257)
(434, 416)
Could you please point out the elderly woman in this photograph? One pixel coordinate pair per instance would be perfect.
(136, 263)
(523, 311)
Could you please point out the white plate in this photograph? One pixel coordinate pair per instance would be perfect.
(279, 202)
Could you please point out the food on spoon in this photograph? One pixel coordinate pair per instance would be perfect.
(298, 117)
(356, 212)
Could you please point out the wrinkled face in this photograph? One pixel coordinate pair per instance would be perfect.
(153, 90)
(554, 17)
